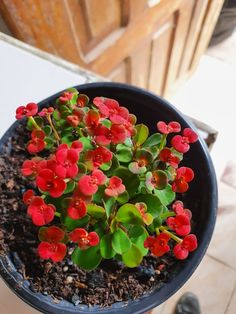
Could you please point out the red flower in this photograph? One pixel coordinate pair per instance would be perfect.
(88, 184)
(66, 163)
(180, 224)
(183, 176)
(115, 187)
(29, 110)
(48, 182)
(75, 118)
(46, 111)
(51, 247)
(83, 238)
(189, 244)
(40, 212)
(66, 96)
(91, 120)
(82, 100)
(97, 157)
(171, 127)
(181, 143)
(159, 245)
(28, 196)
(77, 208)
(167, 156)
(104, 136)
(129, 125)
(37, 143)
(31, 167)
(78, 146)
(109, 108)
(178, 208)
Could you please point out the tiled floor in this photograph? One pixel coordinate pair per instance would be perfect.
(210, 96)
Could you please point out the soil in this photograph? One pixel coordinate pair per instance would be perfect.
(109, 283)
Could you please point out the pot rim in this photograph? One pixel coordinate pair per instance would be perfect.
(147, 302)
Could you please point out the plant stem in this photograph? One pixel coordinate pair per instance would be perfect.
(167, 214)
(31, 119)
(53, 128)
(174, 237)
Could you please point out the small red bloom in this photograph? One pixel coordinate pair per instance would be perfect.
(83, 238)
(46, 111)
(77, 208)
(115, 187)
(48, 182)
(172, 127)
(29, 110)
(88, 184)
(167, 156)
(75, 118)
(40, 212)
(37, 143)
(28, 196)
(66, 163)
(183, 176)
(104, 136)
(66, 96)
(78, 146)
(31, 167)
(180, 224)
(97, 157)
(109, 108)
(158, 245)
(181, 143)
(91, 120)
(82, 100)
(178, 208)
(189, 244)
(51, 247)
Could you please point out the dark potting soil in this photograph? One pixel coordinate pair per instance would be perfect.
(109, 283)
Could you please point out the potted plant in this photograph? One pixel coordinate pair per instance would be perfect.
(110, 217)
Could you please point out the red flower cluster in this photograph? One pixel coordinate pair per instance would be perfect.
(105, 136)
(88, 184)
(188, 244)
(29, 110)
(40, 212)
(37, 143)
(178, 208)
(46, 111)
(180, 224)
(172, 127)
(183, 176)
(95, 158)
(158, 245)
(66, 96)
(167, 156)
(76, 117)
(66, 159)
(51, 245)
(181, 143)
(83, 238)
(115, 187)
(77, 208)
(47, 181)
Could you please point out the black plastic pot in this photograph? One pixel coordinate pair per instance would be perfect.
(201, 199)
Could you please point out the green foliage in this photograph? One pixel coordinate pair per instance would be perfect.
(96, 211)
(87, 259)
(129, 214)
(130, 180)
(166, 196)
(133, 257)
(141, 134)
(106, 246)
(153, 140)
(120, 241)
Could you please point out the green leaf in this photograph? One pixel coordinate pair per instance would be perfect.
(123, 198)
(37, 119)
(130, 180)
(107, 123)
(96, 211)
(133, 257)
(153, 140)
(161, 179)
(49, 141)
(154, 205)
(138, 235)
(120, 241)
(99, 195)
(82, 168)
(141, 134)
(67, 139)
(115, 165)
(166, 196)
(47, 130)
(124, 155)
(71, 224)
(56, 115)
(106, 166)
(106, 246)
(70, 186)
(109, 205)
(129, 214)
(72, 90)
(87, 145)
(87, 259)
